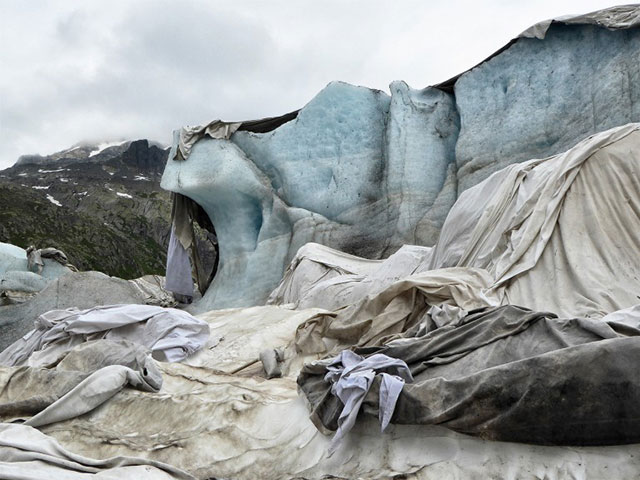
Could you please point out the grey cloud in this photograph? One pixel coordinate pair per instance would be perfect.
(97, 70)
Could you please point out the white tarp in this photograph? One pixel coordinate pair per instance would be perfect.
(188, 136)
(247, 428)
(561, 221)
(27, 454)
(171, 334)
(525, 235)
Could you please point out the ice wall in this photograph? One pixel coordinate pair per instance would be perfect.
(317, 178)
(540, 97)
(364, 172)
(331, 158)
(421, 136)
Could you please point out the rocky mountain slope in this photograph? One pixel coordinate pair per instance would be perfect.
(101, 204)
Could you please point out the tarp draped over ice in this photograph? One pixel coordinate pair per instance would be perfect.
(82, 290)
(363, 172)
(223, 425)
(519, 324)
(524, 236)
(35, 258)
(27, 454)
(79, 380)
(509, 374)
(183, 259)
(561, 220)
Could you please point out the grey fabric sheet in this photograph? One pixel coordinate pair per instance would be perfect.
(183, 258)
(35, 256)
(80, 380)
(272, 359)
(511, 374)
(90, 393)
(614, 18)
(178, 273)
(170, 334)
(34, 260)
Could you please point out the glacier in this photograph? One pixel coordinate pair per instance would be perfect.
(13, 260)
(366, 172)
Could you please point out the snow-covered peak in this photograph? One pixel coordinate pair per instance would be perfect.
(103, 146)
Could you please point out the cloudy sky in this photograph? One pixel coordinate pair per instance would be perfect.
(105, 70)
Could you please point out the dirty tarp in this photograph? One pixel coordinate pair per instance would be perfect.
(240, 335)
(244, 427)
(178, 279)
(397, 308)
(320, 275)
(190, 135)
(566, 220)
(351, 377)
(79, 381)
(182, 255)
(503, 242)
(511, 374)
(337, 273)
(27, 454)
(35, 256)
(615, 18)
(171, 334)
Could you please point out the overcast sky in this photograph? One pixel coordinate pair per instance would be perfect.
(76, 71)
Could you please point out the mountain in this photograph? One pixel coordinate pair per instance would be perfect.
(101, 204)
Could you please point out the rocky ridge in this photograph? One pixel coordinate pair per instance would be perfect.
(101, 204)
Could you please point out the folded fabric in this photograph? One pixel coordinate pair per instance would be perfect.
(81, 380)
(507, 374)
(171, 334)
(351, 377)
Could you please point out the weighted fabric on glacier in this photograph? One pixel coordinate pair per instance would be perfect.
(511, 374)
(363, 172)
(524, 236)
(246, 427)
(171, 334)
(562, 221)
